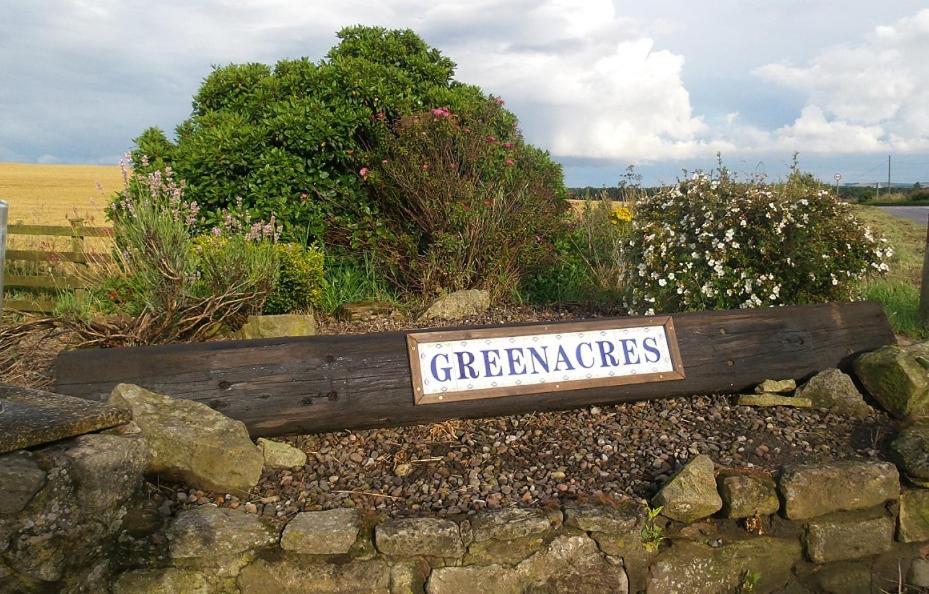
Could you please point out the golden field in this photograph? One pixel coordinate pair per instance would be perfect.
(53, 194)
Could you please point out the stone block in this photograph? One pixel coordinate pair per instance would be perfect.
(913, 520)
(853, 535)
(281, 455)
(211, 532)
(457, 305)
(910, 450)
(745, 495)
(833, 390)
(331, 532)
(773, 400)
(814, 490)
(411, 537)
(278, 326)
(20, 479)
(770, 386)
(628, 516)
(897, 378)
(302, 576)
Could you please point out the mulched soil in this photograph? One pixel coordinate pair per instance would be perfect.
(597, 453)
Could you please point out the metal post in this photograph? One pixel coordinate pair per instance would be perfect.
(3, 218)
(924, 288)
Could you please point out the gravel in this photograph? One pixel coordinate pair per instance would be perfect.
(599, 453)
(595, 453)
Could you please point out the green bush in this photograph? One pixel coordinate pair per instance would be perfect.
(714, 243)
(289, 139)
(300, 281)
(466, 202)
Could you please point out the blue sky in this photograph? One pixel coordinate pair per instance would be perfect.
(663, 85)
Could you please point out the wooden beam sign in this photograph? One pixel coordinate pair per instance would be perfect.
(326, 383)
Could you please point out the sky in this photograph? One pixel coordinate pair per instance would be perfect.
(664, 85)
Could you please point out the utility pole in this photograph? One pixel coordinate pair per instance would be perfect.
(888, 173)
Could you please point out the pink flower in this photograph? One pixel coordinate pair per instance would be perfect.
(440, 112)
(499, 100)
(508, 145)
(363, 172)
(491, 139)
(509, 162)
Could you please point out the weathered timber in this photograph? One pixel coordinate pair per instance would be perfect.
(324, 383)
(33, 417)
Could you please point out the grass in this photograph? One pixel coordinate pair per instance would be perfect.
(898, 290)
(53, 194)
(349, 280)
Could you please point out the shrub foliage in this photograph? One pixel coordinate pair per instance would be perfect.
(465, 201)
(715, 243)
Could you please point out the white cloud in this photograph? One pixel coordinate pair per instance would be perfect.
(863, 98)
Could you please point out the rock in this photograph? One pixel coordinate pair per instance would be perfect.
(910, 450)
(897, 378)
(628, 516)
(691, 494)
(409, 577)
(913, 521)
(212, 532)
(773, 400)
(331, 532)
(852, 535)
(457, 305)
(303, 576)
(192, 443)
(831, 389)
(410, 537)
(278, 326)
(363, 310)
(33, 417)
(169, 580)
(845, 577)
(509, 524)
(695, 568)
(403, 469)
(918, 575)
(815, 490)
(567, 564)
(281, 455)
(770, 386)
(20, 479)
(107, 469)
(745, 495)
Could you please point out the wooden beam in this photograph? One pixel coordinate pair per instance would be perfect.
(325, 383)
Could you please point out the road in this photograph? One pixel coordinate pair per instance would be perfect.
(917, 214)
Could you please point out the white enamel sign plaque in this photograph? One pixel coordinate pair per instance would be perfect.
(490, 362)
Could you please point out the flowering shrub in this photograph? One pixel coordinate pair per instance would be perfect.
(299, 281)
(466, 202)
(714, 243)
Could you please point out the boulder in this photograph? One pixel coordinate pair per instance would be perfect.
(567, 564)
(691, 494)
(411, 537)
(409, 577)
(816, 490)
(770, 386)
(849, 535)
(831, 389)
(845, 577)
(773, 400)
(277, 326)
(204, 532)
(281, 455)
(192, 443)
(745, 495)
(696, 568)
(457, 305)
(913, 521)
(106, 469)
(897, 378)
(331, 532)
(363, 310)
(169, 580)
(910, 450)
(20, 479)
(291, 575)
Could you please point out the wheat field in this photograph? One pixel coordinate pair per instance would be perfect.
(52, 194)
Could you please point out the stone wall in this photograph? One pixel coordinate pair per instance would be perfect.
(77, 517)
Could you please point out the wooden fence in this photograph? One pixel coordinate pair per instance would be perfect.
(40, 284)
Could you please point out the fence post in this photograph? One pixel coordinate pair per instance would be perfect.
(924, 285)
(3, 218)
(77, 239)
